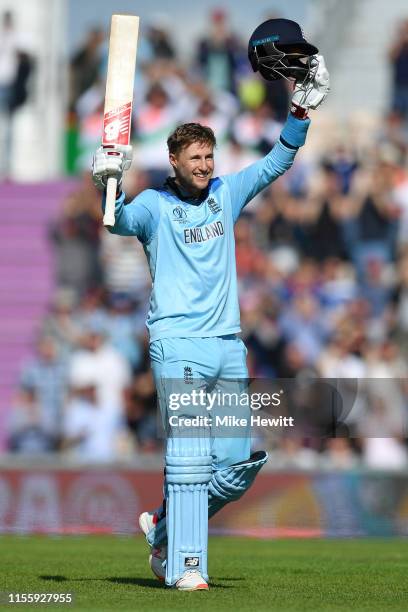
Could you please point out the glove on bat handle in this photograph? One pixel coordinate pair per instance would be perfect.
(109, 216)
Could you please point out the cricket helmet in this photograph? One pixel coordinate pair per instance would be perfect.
(278, 49)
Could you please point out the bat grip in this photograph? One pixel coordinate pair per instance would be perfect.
(109, 216)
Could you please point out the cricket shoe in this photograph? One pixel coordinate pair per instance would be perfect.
(158, 555)
(191, 580)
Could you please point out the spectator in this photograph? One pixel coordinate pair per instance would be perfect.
(277, 216)
(89, 118)
(121, 329)
(60, 324)
(250, 259)
(141, 415)
(342, 161)
(259, 322)
(321, 233)
(75, 237)
(15, 69)
(394, 188)
(383, 427)
(157, 116)
(398, 57)
(370, 226)
(110, 370)
(233, 157)
(277, 96)
(402, 304)
(86, 65)
(8, 59)
(159, 39)
(19, 88)
(338, 285)
(256, 130)
(91, 428)
(338, 361)
(394, 131)
(384, 454)
(28, 434)
(125, 266)
(339, 455)
(46, 374)
(291, 454)
(294, 362)
(91, 310)
(215, 109)
(218, 54)
(302, 326)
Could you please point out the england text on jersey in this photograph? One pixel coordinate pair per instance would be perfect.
(204, 233)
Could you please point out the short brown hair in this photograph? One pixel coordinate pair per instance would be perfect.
(184, 135)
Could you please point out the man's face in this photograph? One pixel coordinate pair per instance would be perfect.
(194, 166)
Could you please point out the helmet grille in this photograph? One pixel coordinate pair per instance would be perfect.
(276, 63)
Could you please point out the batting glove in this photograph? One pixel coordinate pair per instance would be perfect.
(110, 161)
(312, 91)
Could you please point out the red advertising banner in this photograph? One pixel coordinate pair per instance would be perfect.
(277, 505)
(76, 501)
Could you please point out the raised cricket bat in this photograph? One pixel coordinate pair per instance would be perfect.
(119, 94)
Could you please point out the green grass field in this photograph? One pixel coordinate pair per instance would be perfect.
(108, 573)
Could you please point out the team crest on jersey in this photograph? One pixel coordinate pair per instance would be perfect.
(179, 214)
(213, 205)
(188, 375)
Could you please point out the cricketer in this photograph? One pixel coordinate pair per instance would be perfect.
(187, 232)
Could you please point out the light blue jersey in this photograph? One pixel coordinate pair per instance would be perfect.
(190, 246)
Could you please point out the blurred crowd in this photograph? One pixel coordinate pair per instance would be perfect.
(322, 261)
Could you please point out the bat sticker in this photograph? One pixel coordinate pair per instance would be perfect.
(116, 125)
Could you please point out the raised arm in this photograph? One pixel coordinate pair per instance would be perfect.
(141, 216)
(138, 218)
(309, 93)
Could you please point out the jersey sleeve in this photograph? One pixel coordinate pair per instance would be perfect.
(139, 218)
(246, 184)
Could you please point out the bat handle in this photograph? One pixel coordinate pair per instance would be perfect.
(109, 216)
